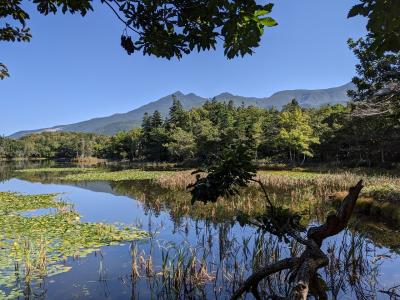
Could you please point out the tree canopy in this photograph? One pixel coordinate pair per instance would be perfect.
(172, 28)
(161, 28)
(383, 23)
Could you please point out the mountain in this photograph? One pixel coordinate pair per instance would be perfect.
(125, 121)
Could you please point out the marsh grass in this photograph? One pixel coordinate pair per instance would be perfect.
(195, 271)
(200, 270)
(116, 175)
(32, 248)
(56, 170)
(90, 174)
(381, 187)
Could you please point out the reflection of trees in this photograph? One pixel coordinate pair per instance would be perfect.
(223, 258)
(295, 276)
(225, 254)
(178, 203)
(5, 171)
(7, 167)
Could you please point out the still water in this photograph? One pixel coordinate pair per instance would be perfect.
(226, 252)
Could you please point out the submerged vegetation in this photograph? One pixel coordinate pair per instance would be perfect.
(36, 246)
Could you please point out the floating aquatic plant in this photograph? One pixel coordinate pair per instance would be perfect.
(32, 248)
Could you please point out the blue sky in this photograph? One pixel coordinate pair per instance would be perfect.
(74, 68)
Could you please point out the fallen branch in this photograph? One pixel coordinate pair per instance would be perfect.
(337, 222)
(305, 267)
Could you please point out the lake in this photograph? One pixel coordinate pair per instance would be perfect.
(189, 256)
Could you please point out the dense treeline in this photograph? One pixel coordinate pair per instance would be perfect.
(53, 145)
(294, 134)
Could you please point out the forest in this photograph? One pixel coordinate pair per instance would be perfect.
(293, 135)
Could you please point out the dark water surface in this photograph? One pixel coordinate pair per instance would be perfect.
(360, 267)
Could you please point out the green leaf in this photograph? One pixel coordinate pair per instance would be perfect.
(261, 12)
(268, 21)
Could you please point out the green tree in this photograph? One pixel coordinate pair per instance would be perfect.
(177, 117)
(376, 100)
(269, 145)
(181, 145)
(295, 132)
(156, 120)
(125, 145)
(383, 24)
(377, 80)
(328, 122)
(154, 137)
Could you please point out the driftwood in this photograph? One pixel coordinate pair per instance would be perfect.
(304, 279)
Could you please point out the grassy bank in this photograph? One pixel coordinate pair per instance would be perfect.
(57, 170)
(92, 174)
(117, 175)
(379, 198)
(36, 246)
(379, 187)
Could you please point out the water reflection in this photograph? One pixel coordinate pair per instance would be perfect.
(195, 252)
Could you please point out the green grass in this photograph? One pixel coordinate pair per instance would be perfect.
(91, 174)
(295, 174)
(56, 170)
(32, 248)
(117, 175)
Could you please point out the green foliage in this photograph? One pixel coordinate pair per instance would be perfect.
(295, 131)
(374, 72)
(124, 145)
(60, 145)
(154, 137)
(3, 71)
(164, 28)
(181, 145)
(178, 117)
(173, 28)
(383, 23)
(233, 169)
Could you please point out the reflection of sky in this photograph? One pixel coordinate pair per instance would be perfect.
(96, 202)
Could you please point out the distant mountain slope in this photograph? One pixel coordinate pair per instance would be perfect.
(125, 121)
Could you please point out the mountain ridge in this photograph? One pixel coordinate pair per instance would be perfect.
(124, 121)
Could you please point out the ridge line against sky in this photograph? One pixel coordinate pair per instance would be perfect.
(181, 96)
(74, 68)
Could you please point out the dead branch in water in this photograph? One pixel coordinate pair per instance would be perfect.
(304, 278)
